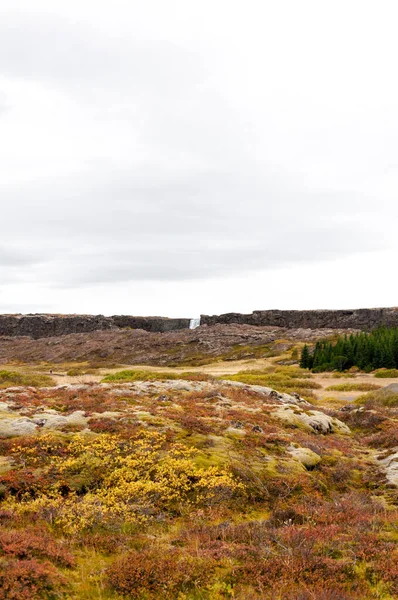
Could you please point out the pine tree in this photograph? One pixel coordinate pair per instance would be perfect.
(368, 351)
(305, 360)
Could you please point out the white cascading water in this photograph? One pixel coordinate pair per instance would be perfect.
(194, 323)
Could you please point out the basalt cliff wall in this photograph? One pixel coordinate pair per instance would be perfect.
(39, 326)
(363, 318)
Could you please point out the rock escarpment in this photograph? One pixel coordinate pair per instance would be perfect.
(156, 324)
(363, 318)
(41, 326)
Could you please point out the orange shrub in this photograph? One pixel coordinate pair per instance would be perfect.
(158, 573)
(29, 580)
(34, 543)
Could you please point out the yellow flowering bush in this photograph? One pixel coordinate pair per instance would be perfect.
(104, 479)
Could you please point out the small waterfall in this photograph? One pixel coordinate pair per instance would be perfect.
(194, 323)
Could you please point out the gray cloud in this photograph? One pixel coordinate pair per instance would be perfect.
(171, 152)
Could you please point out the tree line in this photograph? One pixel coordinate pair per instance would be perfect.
(367, 351)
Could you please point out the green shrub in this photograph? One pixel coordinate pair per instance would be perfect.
(387, 373)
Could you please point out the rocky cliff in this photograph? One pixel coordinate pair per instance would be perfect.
(363, 318)
(39, 326)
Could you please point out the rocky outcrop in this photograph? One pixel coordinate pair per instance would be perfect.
(38, 326)
(135, 346)
(41, 326)
(363, 318)
(156, 324)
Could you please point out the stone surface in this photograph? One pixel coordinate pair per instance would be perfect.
(312, 420)
(390, 466)
(305, 456)
(18, 426)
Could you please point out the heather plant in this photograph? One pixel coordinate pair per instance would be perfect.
(30, 580)
(159, 573)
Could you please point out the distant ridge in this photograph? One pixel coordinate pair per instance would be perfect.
(359, 318)
(54, 325)
(50, 325)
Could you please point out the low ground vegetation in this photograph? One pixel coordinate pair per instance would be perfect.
(353, 387)
(131, 375)
(284, 379)
(10, 378)
(196, 493)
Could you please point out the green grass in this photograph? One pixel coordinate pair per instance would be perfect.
(13, 378)
(130, 375)
(387, 373)
(353, 387)
(76, 371)
(240, 352)
(281, 381)
(382, 397)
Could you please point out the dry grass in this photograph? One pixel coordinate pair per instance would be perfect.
(15, 378)
(129, 375)
(353, 387)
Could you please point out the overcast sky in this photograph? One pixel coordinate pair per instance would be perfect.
(179, 157)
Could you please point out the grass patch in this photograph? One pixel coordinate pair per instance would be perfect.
(240, 352)
(76, 371)
(281, 381)
(293, 372)
(343, 375)
(130, 375)
(353, 387)
(13, 378)
(377, 398)
(387, 373)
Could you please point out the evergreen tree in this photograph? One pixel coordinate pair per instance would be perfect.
(305, 361)
(368, 351)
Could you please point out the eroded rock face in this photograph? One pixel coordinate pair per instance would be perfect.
(46, 325)
(38, 326)
(41, 326)
(363, 318)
